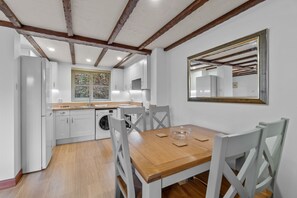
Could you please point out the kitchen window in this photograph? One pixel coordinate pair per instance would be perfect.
(90, 85)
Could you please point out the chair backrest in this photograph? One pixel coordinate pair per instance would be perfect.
(123, 168)
(227, 146)
(140, 117)
(273, 146)
(158, 115)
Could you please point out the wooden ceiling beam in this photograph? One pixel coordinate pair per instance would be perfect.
(235, 54)
(36, 46)
(186, 12)
(251, 65)
(62, 36)
(9, 14)
(68, 20)
(249, 4)
(236, 74)
(72, 53)
(68, 16)
(243, 58)
(123, 60)
(122, 20)
(15, 23)
(100, 57)
(218, 64)
(242, 63)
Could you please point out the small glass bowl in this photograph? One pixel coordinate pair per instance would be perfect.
(180, 134)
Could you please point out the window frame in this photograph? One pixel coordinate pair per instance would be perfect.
(91, 85)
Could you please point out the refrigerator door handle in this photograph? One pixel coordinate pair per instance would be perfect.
(72, 120)
(67, 120)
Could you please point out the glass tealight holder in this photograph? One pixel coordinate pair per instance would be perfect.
(180, 135)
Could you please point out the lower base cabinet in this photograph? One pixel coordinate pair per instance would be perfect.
(74, 126)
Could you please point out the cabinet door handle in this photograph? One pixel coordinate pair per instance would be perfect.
(72, 120)
(67, 120)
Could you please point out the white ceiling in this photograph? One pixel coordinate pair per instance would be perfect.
(83, 52)
(97, 18)
(134, 59)
(61, 52)
(47, 14)
(205, 14)
(110, 58)
(147, 18)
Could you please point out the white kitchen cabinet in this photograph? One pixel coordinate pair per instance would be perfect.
(82, 123)
(136, 71)
(74, 125)
(117, 79)
(127, 79)
(145, 80)
(62, 129)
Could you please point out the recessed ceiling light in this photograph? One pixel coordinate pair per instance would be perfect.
(119, 58)
(51, 49)
(88, 60)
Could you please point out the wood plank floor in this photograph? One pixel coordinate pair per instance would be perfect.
(81, 170)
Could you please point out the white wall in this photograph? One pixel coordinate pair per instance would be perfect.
(279, 17)
(64, 83)
(159, 78)
(246, 85)
(10, 161)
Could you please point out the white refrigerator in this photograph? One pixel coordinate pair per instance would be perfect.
(206, 86)
(36, 113)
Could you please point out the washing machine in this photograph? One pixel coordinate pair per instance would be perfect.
(102, 126)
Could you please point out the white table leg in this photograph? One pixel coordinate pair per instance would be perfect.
(153, 189)
(149, 190)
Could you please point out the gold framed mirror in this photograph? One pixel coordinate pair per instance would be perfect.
(235, 72)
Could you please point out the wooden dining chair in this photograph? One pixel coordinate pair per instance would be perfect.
(123, 168)
(159, 115)
(227, 146)
(273, 146)
(140, 117)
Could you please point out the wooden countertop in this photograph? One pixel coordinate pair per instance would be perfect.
(156, 157)
(93, 105)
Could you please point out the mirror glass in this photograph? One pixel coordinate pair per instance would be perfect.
(233, 72)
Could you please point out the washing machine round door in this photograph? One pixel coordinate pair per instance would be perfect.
(103, 123)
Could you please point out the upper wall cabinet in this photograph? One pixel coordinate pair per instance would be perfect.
(54, 70)
(235, 72)
(139, 70)
(117, 79)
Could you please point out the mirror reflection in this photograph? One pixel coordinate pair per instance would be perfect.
(230, 71)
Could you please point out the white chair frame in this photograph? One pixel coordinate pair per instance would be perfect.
(271, 158)
(123, 167)
(140, 112)
(226, 146)
(153, 111)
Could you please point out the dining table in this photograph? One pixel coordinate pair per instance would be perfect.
(159, 162)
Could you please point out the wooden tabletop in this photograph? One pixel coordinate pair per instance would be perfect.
(156, 157)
